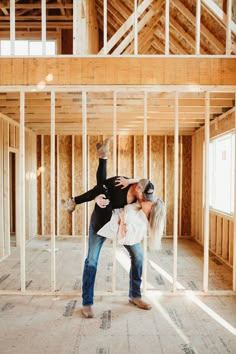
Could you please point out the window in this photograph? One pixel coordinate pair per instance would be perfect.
(221, 173)
(27, 47)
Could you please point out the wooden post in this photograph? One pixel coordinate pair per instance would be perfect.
(228, 27)
(176, 183)
(145, 136)
(198, 27)
(135, 157)
(114, 173)
(22, 189)
(114, 132)
(84, 164)
(12, 26)
(34, 190)
(58, 186)
(1, 192)
(77, 9)
(165, 178)
(43, 19)
(206, 193)
(73, 179)
(135, 28)
(145, 175)
(52, 194)
(167, 27)
(180, 184)
(42, 186)
(6, 194)
(234, 243)
(105, 27)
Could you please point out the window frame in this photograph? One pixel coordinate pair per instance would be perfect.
(212, 180)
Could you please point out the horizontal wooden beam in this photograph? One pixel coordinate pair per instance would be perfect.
(46, 72)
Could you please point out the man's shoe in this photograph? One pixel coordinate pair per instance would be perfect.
(103, 149)
(69, 205)
(87, 312)
(140, 303)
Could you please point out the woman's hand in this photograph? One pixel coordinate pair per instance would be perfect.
(101, 201)
(123, 182)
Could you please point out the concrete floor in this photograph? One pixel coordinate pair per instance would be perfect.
(176, 324)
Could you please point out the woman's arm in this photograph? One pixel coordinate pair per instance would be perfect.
(125, 182)
(122, 226)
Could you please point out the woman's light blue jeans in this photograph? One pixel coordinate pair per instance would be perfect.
(91, 262)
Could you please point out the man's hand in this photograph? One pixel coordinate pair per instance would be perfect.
(101, 201)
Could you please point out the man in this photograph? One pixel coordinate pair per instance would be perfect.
(108, 196)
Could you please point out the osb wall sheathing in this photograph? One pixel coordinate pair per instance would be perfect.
(125, 156)
(78, 188)
(138, 156)
(170, 185)
(186, 185)
(157, 164)
(65, 180)
(130, 163)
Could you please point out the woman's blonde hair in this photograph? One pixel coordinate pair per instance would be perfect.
(156, 224)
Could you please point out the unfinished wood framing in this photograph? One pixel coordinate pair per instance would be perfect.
(145, 108)
(104, 27)
(44, 29)
(180, 185)
(228, 27)
(22, 190)
(52, 194)
(2, 251)
(73, 179)
(84, 166)
(135, 28)
(206, 195)
(233, 242)
(6, 198)
(58, 185)
(42, 186)
(167, 27)
(12, 26)
(176, 181)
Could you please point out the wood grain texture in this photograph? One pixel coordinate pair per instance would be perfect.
(118, 71)
(65, 153)
(186, 185)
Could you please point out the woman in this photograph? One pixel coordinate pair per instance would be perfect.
(135, 221)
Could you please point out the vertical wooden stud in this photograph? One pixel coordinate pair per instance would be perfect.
(58, 186)
(206, 194)
(84, 164)
(228, 27)
(12, 26)
(198, 27)
(167, 27)
(52, 194)
(176, 183)
(1, 192)
(22, 189)
(43, 32)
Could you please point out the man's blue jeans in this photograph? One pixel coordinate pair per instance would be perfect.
(91, 262)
